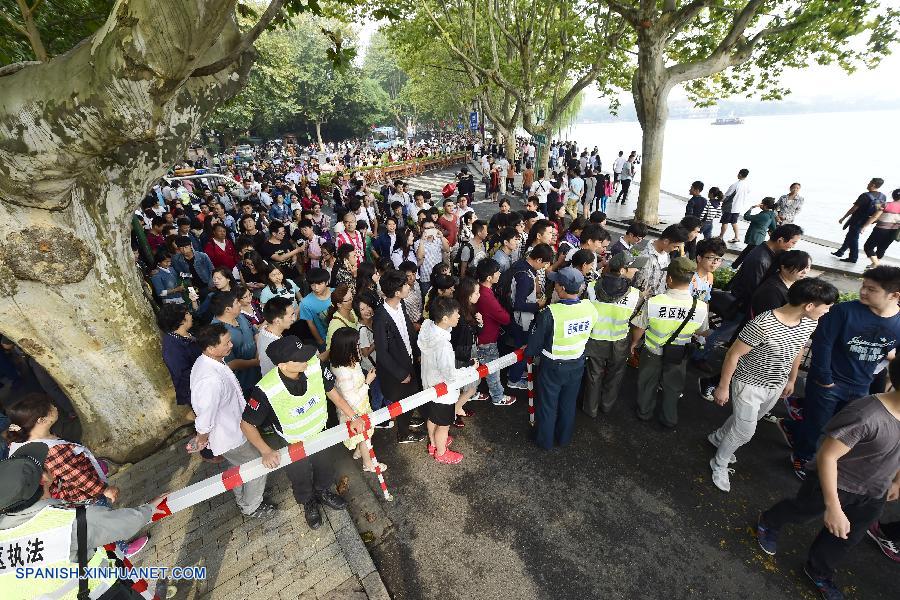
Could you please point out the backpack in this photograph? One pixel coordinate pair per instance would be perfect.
(456, 257)
(503, 288)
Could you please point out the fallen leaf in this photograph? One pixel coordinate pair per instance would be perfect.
(370, 517)
(343, 485)
(367, 537)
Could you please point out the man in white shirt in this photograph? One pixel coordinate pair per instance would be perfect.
(576, 191)
(617, 169)
(541, 188)
(737, 200)
(279, 314)
(218, 402)
(503, 163)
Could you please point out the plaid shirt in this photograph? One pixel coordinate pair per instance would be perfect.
(76, 478)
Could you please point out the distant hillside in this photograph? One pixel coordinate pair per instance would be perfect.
(682, 109)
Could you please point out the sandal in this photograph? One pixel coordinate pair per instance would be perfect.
(357, 454)
(458, 422)
(371, 469)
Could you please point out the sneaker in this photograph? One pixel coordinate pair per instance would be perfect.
(386, 425)
(433, 449)
(449, 458)
(371, 469)
(889, 547)
(767, 538)
(825, 585)
(786, 434)
(505, 401)
(518, 385)
(705, 389)
(416, 423)
(853, 262)
(720, 476)
(480, 397)
(136, 545)
(793, 408)
(264, 511)
(411, 438)
(331, 500)
(711, 438)
(313, 513)
(799, 467)
(458, 422)
(838, 254)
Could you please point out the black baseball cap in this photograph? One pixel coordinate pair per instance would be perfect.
(21, 476)
(290, 349)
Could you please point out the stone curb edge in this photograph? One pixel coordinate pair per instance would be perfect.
(357, 554)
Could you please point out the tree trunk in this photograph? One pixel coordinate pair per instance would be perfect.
(650, 89)
(509, 144)
(319, 136)
(77, 154)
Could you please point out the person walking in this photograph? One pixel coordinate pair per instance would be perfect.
(761, 367)
(607, 348)
(625, 179)
(667, 321)
(857, 471)
(887, 226)
(293, 399)
(560, 334)
(737, 196)
(863, 213)
(617, 169)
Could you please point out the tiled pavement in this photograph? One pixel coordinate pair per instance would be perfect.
(278, 558)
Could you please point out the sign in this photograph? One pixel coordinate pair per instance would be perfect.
(473, 120)
(540, 139)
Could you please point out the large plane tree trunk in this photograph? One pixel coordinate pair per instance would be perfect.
(82, 138)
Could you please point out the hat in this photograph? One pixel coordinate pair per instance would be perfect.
(290, 349)
(21, 475)
(682, 265)
(626, 260)
(182, 240)
(571, 279)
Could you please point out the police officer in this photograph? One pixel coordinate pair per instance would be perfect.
(560, 334)
(668, 320)
(292, 399)
(607, 349)
(40, 532)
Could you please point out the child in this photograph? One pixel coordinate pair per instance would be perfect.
(605, 192)
(315, 305)
(77, 475)
(353, 386)
(439, 366)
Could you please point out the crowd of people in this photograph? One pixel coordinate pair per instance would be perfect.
(277, 321)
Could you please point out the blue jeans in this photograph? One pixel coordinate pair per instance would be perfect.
(851, 241)
(517, 371)
(4, 447)
(376, 398)
(719, 335)
(603, 200)
(486, 353)
(821, 403)
(706, 230)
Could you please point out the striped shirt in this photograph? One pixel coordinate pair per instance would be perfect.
(711, 213)
(774, 348)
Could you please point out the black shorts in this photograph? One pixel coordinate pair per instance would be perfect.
(441, 415)
(729, 218)
(616, 177)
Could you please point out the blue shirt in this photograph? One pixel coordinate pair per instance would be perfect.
(848, 344)
(244, 347)
(313, 308)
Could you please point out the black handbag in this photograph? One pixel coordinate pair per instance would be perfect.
(724, 304)
(676, 354)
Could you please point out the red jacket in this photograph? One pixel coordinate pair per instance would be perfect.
(221, 258)
(493, 315)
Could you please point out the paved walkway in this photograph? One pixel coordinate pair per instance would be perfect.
(278, 558)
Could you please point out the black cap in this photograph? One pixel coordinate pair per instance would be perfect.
(290, 349)
(21, 476)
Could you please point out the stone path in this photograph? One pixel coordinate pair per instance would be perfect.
(247, 558)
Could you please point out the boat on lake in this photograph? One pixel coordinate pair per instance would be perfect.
(728, 121)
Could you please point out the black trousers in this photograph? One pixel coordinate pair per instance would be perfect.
(395, 391)
(623, 193)
(878, 242)
(826, 551)
(314, 473)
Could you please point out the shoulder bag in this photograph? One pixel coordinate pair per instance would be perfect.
(676, 354)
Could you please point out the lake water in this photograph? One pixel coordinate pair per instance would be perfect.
(833, 156)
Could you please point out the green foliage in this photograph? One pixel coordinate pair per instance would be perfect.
(848, 296)
(722, 277)
(61, 23)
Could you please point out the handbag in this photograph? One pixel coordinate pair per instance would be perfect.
(676, 354)
(724, 304)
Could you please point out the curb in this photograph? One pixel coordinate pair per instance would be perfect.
(356, 553)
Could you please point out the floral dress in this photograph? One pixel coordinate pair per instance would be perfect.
(351, 385)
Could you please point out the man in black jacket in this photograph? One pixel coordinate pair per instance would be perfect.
(466, 184)
(395, 343)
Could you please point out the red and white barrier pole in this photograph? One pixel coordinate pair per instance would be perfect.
(377, 465)
(140, 586)
(238, 475)
(530, 377)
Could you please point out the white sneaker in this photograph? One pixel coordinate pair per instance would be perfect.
(521, 384)
(720, 476)
(711, 438)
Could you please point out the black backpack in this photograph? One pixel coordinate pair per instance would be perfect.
(503, 287)
(456, 257)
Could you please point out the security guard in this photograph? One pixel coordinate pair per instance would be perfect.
(560, 334)
(37, 531)
(669, 320)
(292, 399)
(607, 350)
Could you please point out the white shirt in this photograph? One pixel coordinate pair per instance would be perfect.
(741, 190)
(617, 166)
(218, 402)
(400, 321)
(263, 339)
(540, 188)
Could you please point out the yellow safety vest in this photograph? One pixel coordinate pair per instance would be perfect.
(612, 317)
(666, 314)
(45, 542)
(572, 324)
(301, 417)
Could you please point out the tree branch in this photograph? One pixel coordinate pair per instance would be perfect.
(31, 30)
(15, 24)
(246, 41)
(16, 67)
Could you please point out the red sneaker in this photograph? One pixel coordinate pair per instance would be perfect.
(449, 458)
(432, 449)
